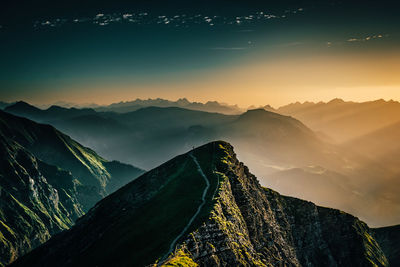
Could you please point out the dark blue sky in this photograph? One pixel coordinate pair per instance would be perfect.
(82, 52)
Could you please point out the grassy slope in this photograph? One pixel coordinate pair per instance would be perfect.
(170, 210)
(56, 148)
(30, 210)
(141, 219)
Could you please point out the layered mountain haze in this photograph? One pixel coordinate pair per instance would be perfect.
(281, 139)
(126, 106)
(281, 150)
(48, 180)
(381, 145)
(294, 182)
(365, 130)
(210, 106)
(138, 132)
(205, 208)
(150, 136)
(344, 121)
(147, 125)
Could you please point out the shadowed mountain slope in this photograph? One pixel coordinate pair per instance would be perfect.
(382, 145)
(24, 109)
(281, 138)
(37, 200)
(343, 120)
(4, 104)
(205, 207)
(389, 240)
(47, 181)
(56, 148)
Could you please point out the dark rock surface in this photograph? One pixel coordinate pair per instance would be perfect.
(251, 225)
(389, 240)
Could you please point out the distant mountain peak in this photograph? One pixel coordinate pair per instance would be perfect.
(269, 108)
(21, 105)
(210, 106)
(183, 101)
(256, 110)
(336, 101)
(266, 107)
(21, 102)
(56, 107)
(259, 112)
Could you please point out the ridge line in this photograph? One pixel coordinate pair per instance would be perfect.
(203, 201)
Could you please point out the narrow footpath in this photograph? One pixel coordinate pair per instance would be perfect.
(203, 201)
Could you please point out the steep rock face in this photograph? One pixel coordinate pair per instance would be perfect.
(31, 208)
(55, 148)
(40, 199)
(250, 225)
(389, 240)
(205, 208)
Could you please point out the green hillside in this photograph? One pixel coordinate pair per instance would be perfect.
(47, 181)
(55, 148)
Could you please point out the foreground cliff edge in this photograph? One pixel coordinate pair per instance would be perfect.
(205, 208)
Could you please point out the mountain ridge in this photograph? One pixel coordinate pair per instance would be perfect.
(242, 224)
(53, 112)
(345, 120)
(209, 106)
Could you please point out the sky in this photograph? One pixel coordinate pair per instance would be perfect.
(245, 52)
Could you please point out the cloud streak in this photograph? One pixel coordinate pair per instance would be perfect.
(228, 48)
(368, 38)
(179, 20)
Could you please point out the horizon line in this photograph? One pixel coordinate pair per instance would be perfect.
(71, 104)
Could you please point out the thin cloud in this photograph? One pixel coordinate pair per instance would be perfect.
(368, 38)
(362, 39)
(228, 48)
(291, 44)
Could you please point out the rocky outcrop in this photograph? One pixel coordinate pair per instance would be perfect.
(253, 226)
(32, 209)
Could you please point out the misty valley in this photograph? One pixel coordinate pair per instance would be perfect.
(53, 181)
